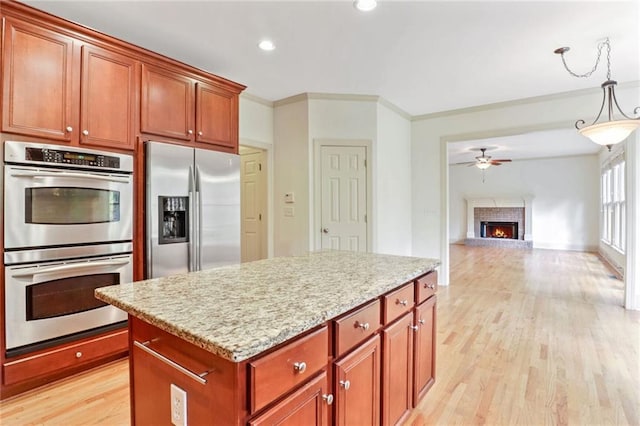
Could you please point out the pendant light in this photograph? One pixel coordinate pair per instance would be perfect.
(612, 131)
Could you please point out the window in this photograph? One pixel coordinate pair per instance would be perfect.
(613, 201)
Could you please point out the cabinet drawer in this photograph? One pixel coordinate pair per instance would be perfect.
(59, 359)
(278, 372)
(356, 327)
(426, 286)
(398, 302)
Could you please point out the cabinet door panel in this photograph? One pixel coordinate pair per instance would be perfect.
(108, 98)
(424, 356)
(357, 388)
(304, 407)
(397, 370)
(39, 94)
(217, 116)
(167, 103)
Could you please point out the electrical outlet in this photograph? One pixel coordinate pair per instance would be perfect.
(178, 406)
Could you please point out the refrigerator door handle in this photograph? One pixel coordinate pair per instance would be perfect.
(192, 223)
(199, 221)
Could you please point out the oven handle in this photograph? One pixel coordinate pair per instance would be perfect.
(43, 174)
(72, 267)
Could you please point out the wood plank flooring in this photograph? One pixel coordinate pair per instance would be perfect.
(525, 337)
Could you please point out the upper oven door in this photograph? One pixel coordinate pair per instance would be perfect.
(45, 207)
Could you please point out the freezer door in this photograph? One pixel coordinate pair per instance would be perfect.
(167, 201)
(218, 187)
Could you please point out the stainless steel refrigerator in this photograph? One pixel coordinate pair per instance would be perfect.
(192, 209)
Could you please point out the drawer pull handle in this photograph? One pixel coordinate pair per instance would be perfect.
(78, 354)
(346, 384)
(197, 377)
(363, 325)
(421, 321)
(300, 367)
(414, 327)
(328, 398)
(401, 302)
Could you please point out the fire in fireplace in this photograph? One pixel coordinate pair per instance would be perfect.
(507, 230)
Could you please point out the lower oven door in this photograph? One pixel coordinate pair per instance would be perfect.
(56, 299)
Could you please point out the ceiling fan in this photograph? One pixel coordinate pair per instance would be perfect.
(485, 161)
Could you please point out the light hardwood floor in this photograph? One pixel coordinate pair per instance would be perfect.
(525, 337)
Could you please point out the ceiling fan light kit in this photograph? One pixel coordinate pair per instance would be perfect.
(612, 131)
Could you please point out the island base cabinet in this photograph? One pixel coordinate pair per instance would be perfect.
(357, 386)
(215, 388)
(424, 357)
(397, 370)
(308, 406)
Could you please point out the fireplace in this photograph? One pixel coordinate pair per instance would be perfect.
(507, 230)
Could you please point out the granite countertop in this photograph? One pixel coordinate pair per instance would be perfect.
(239, 311)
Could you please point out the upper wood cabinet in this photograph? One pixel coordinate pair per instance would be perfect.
(109, 87)
(177, 106)
(46, 73)
(40, 89)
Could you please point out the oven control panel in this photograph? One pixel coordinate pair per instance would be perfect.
(63, 156)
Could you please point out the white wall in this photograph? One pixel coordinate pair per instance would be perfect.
(291, 174)
(392, 199)
(565, 205)
(429, 160)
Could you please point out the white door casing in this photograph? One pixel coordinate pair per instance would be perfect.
(254, 209)
(343, 197)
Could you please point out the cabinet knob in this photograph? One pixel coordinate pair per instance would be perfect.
(78, 354)
(401, 302)
(190, 131)
(421, 321)
(69, 129)
(364, 326)
(85, 132)
(431, 286)
(346, 384)
(328, 398)
(200, 133)
(299, 367)
(414, 327)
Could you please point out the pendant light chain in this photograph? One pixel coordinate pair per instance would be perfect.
(588, 74)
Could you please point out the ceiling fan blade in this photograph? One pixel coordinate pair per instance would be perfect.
(471, 163)
(503, 160)
(495, 163)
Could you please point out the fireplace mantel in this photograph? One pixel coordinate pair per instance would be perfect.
(523, 201)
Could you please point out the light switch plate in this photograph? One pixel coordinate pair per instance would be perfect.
(289, 197)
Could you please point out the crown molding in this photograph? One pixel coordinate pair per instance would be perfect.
(256, 99)
(342, 97)
(523, 101)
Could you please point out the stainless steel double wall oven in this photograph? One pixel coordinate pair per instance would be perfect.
(68, 229)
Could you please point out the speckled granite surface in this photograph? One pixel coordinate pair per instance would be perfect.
(239, 311)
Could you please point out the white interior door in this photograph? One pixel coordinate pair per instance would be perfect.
(344, 197)
(254, 204)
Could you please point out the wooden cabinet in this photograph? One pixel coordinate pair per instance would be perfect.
(70, 356)
(357, 385)
(177, 106)
(424, 361)
(353, 328)
(57, 87)
(307, 406)
(397, 370)
(277, 373)
(109, 85)
(40, 86)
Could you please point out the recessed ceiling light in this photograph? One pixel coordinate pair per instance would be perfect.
(266, 45)
(365, 5)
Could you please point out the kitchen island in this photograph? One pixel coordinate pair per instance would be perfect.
(279, 340)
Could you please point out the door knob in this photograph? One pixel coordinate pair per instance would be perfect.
(85, 132)
(325, 230)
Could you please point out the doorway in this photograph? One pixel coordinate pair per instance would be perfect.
(253, 181)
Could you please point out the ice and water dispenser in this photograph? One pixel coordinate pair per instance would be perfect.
(174, 220)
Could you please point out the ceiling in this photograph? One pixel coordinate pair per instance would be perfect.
(422, 56)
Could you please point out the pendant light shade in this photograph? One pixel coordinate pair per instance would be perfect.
(611, 131)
